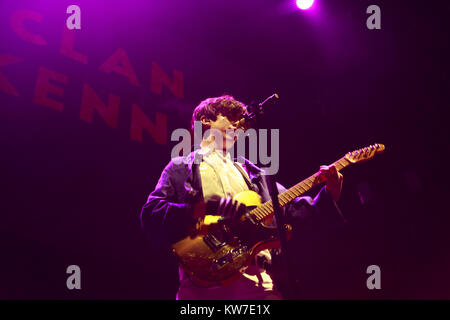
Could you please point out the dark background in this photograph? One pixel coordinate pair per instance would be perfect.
(72, 191)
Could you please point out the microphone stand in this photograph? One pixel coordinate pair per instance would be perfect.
(286, 279)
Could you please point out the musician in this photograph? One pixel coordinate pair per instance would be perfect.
(186, 184)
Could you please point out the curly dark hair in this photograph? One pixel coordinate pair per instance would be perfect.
(225, 105)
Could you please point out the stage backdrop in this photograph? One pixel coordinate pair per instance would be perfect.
(86, 118)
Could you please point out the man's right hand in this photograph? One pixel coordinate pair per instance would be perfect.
(225, 207)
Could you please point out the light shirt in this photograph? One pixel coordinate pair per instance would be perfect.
(219, 176)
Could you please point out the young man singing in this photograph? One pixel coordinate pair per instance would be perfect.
(178, 202)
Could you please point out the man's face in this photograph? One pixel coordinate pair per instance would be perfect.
(222, 124)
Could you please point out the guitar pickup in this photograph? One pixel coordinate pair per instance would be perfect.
(213, 242)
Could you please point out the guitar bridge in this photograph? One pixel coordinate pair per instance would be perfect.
(229, 257)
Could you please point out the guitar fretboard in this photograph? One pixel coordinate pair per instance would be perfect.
(265, 211)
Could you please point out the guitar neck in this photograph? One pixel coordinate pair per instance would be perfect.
(266, 210)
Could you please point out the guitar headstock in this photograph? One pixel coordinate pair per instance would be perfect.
(365, 154)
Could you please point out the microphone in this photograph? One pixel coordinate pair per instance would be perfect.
(272, 99)
(254, 110)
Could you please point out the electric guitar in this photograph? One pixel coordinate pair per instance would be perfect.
(220, 250)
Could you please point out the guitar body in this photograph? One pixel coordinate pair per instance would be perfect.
(221, 251)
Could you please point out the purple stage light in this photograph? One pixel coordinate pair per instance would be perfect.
(304, 4)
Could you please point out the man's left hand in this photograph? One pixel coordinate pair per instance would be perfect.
(333, 180)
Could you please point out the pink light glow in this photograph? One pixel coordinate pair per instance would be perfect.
(304, 4)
